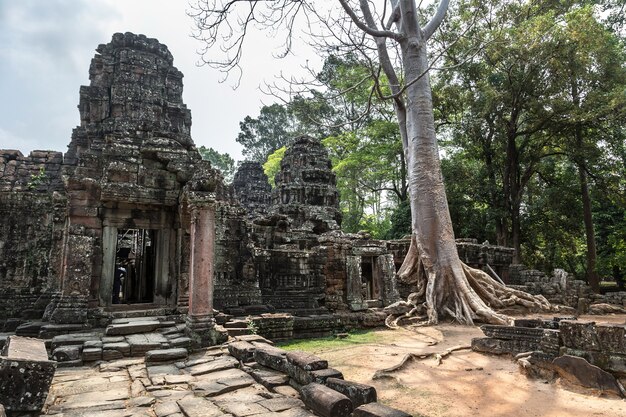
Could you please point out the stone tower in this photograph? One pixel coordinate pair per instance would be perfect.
(306, 190)
(129, 167)
(252, 189)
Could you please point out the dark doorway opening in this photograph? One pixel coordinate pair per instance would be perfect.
(367, 279)
(135, 266)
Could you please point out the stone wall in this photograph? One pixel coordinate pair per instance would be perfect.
(562, 288)
(32, 210)
(584, 353)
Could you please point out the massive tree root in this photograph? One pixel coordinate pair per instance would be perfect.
(439, 356)
(449, 288)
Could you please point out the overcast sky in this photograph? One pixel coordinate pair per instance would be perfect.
(46, 47)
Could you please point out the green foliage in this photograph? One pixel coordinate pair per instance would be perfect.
(37, 179)
(400, 221)
(326, 343)
(273, 129)
(271, 167)
(535, 93)
(222, 161)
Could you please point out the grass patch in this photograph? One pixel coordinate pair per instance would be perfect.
(361, 337)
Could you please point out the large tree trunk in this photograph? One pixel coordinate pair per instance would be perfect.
(445, 285)
(592, 274)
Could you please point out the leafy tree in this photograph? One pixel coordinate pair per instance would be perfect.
(384, 33)
(222, 161)
(273, 129)
(271, 167)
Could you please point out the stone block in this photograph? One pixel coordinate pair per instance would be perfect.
(25, 374)
(141, 343)
(512, 332)
(271, 357)
(67, 353)
(323, 374)
(378, 410)
(219, 364)
(501, 347)
(163, 355)
(612, 338)
(268, 377)
(109, 355)
(359, 394)
(92, 354)
(578, 371)
(122, 347)
(241, 350)
(132, 327)
(579, 335)
(306, 361)
(325, 401)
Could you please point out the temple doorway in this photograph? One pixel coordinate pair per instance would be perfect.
(371, 285)
(135, 267)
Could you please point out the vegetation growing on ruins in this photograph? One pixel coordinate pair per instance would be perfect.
(360, 337)
(529, 105)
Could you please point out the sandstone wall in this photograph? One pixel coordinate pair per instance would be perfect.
(32, 214)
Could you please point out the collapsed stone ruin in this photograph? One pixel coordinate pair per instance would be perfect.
(131, 219)
(131, 222)
(129, 244)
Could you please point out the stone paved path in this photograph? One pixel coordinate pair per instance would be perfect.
(206, 384)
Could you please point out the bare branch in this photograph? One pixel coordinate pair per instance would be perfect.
(365, 28)
(435, 22)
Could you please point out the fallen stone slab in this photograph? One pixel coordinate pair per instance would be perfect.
(254, 338)
(326, 401)
(528, 334)
(219, 364)
(166, 408)
(323, 374)
(306, 361)
(271, 357)
(25, 374)
(51, 330)
(139, 326)
(141, 343)
(501, 346)
(578, 371)
(163, 355)
(359, 394)
(240, 408)
(221, 382)
(287, 391)
(122, 347)
(579, 335)
(74, 339)
(67, 353)
(199, 407)
(244, 351)
(300, 365)
(378, 410)
(269, 378)
(92, 354)
(281, 404)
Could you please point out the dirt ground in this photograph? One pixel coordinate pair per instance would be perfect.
(466, 383)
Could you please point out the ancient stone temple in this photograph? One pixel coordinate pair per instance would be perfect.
(114, 222)
(130, 222)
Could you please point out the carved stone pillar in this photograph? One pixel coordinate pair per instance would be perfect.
(200, 323)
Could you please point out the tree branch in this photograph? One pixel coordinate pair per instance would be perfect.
(435, 22)
(365, 28)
